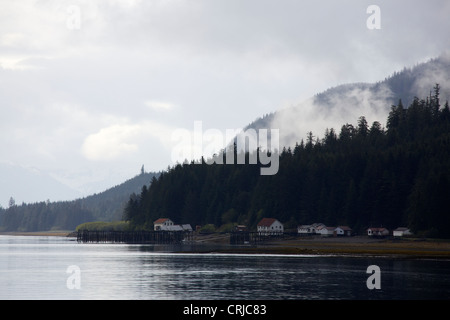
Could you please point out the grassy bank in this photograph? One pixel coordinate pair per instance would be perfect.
(353, 246)
(360, 245)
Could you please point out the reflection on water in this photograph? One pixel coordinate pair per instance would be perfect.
(35, 268)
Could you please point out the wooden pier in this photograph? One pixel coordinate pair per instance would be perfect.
(134, 237)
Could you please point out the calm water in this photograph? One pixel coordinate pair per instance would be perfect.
(36, 268)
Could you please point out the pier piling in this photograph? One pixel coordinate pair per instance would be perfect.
(137, 237)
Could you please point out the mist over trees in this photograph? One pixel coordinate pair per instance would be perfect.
(334, 106)
(364, 175)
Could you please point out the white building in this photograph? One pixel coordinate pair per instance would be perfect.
(165, 224)
(401, 231)
(309, 228)
(269, 226)
(162, 224)
(327, 231)
(377, 232)
(343, 231)
(306, 229)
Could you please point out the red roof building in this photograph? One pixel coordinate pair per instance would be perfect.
(162, 224)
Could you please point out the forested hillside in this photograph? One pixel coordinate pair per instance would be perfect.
(66, 215)
(362, 175)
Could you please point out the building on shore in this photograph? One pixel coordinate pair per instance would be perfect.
(401, 232)
(270, 226)
(377, 232)
(162, 224)
(165, 224)
(343, 231)
(327, 231)
(321, 229)
(309, 229)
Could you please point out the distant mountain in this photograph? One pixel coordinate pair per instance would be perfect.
(66, 215)
(346, 103)
(30, 185)
(108, 205)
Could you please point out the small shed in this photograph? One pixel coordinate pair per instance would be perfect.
(343, 231)
(187, 227)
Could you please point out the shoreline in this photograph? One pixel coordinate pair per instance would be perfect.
(354, 246)
(362, 246)
(38, 233)
(361, 252)
(344, 246)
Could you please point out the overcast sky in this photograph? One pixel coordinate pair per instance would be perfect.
(92, 90)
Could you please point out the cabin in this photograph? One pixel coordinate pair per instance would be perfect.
(327, 231)
(377, 232)
(343, 231)
(162, 224)
(401, 231)
(270, 226)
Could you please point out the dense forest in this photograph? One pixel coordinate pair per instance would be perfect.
(365, 175)
(67, 215)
